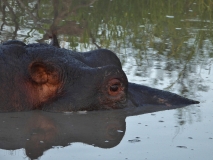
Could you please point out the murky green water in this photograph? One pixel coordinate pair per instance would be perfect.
(165, 44)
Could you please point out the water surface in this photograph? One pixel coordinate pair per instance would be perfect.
(162, 44)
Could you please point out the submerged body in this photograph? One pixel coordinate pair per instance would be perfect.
(42, 76)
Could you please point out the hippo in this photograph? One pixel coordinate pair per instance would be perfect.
(47, 77)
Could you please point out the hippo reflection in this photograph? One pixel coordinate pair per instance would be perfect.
(42, 76)
(38, 131)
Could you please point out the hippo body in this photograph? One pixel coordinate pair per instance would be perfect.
(43, 76)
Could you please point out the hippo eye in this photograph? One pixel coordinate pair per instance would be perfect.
(115, 87)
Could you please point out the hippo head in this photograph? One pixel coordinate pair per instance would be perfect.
(55, 79)
(71, 81)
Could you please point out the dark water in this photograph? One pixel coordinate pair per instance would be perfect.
(162, 44)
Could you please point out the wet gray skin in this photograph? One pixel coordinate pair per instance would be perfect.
(42, 76)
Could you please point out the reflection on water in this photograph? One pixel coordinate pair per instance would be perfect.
(163, 44)
(38, 131)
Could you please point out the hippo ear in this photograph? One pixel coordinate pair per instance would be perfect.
(43, 73)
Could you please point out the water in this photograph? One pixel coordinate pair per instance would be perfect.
(165, 45)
